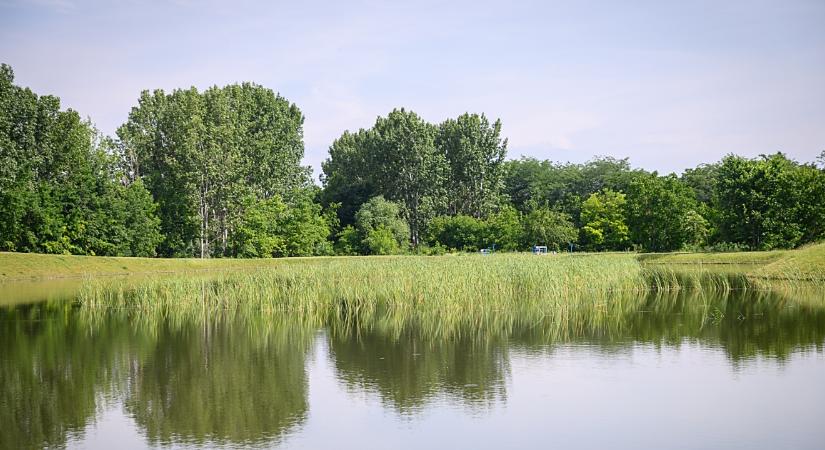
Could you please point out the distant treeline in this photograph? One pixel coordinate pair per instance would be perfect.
(217, 174)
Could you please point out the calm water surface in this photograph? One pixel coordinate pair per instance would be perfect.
(736, 370)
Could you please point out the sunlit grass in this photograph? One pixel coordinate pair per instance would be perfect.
(445, 296)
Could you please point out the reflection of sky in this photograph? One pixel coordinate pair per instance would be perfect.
(669, 84)
(571, 397)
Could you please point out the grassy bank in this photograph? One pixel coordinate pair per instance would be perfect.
(732, 258)
(26, 266)
(805, 263)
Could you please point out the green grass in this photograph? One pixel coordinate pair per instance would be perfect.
(806, 263)
(732, 258)
(23, 266)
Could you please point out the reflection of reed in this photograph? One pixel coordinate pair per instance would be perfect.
(407, 358)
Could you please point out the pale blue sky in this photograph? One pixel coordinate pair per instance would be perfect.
(668, 84)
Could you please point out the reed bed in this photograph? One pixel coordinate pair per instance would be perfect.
(463, 282)
(695, 277)
(446, 296)
(471, 298)
(481, 291)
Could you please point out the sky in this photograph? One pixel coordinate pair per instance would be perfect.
(668, 84)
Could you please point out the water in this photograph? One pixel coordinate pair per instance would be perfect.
(698, 370)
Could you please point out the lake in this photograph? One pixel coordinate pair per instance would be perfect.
(734, 369)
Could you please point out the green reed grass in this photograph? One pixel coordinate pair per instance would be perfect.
(482, 292)
(463, 282)
(457, 284)
(451, 297)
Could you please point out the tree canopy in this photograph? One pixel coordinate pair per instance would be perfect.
(203, 156)
(62, 188)
(217, 173)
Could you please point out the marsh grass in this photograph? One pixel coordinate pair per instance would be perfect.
(468, 281)
(446, 297)
(459, 291)
(695, 277)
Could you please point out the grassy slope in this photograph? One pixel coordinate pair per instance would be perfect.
(22, 266)
(804, 263)
(744, 258)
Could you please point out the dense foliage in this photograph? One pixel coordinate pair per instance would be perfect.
(209, 157)
(217, 173)
(739, 203)
(455, 168)
(61, 186)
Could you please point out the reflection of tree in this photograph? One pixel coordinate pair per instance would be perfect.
(407, 369)
(232, 381)
(53, 371)
(220, 383)
(239, 378)
(404, 357)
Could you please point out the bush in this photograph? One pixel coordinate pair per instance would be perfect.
(458, 232)
(381, 241)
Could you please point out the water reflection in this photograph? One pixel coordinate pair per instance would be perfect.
(204, 380)
(219, 383)
(242, 379)
(55, 373)
(407, 370)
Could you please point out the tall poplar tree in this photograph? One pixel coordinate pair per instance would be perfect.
(475, 154)
(203, 154)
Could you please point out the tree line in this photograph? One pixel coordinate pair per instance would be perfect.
(218, 173)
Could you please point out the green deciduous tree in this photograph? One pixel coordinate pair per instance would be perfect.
(62, 189)
(407, 168)
(563, 187)
(202, 154)
(605, 225)
(379, 221)
(459, 232)
(769, 202)
(381, 241)
(475, 154)
(347, 177)
(504, 229)
(696, 229)
(273, 228)
(656, 212)
(455, 168)
(543, 226)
